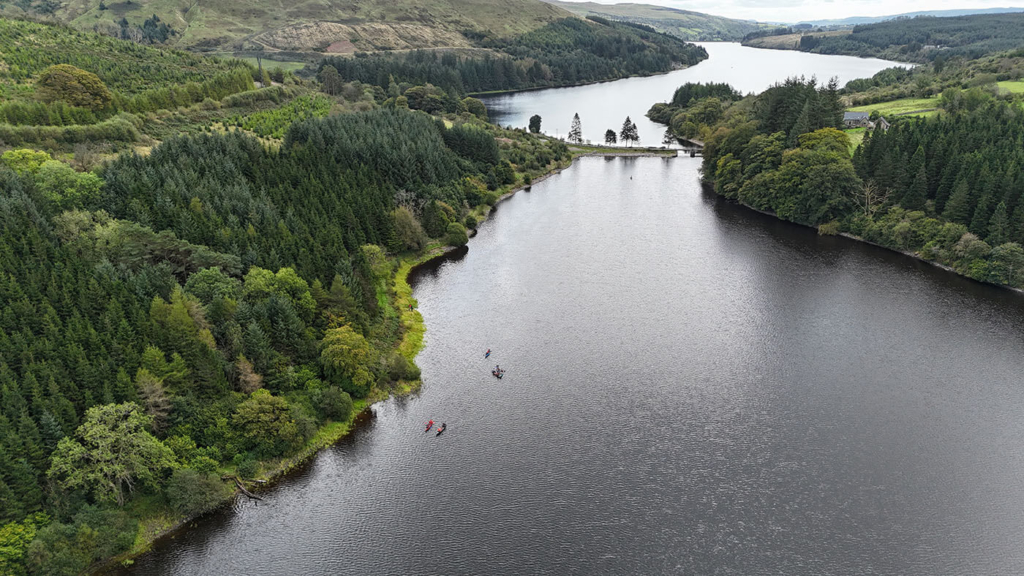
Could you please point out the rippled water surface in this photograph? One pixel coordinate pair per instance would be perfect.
(692, 388)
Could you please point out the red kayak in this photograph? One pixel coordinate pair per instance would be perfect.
(429, 426)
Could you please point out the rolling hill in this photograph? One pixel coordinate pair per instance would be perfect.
(920, 39)
(336, 26)
(855, 20)
(693, 26)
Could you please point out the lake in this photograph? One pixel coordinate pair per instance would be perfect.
(692, 388)
(606, 105)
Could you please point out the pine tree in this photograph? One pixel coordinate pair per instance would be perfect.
(803, 121)
(629, 133)
(979, 222)
(958, 208)
(914, 167)
(916, 195)
(999, 226)
(950, 174)
(1017, 224)
(576, 130)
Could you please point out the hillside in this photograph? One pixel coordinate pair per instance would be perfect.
(211, 276)
(918, 39)
(26, 48)
(337, 26)
(567, 52)
(693, 26)
(855, 20)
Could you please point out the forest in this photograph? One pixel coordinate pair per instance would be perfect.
(925, 38)
(220, 297)
(564, 53)
(219, 304)
(946, 188)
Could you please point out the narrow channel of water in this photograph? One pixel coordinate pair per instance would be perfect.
(691, 387)
(605, 106)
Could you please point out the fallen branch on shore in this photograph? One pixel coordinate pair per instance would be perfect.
(241, 487)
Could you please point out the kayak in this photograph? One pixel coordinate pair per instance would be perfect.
(487, 355)
(497, 374)
(429, 426)
(441, 429)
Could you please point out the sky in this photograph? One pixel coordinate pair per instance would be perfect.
(797, 10)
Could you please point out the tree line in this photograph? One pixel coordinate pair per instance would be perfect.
(946, 188)
(208, 307)
(566, 52)
(925, 38)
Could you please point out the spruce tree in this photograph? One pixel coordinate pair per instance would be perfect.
(1017, 224)
(629, 132)
(576, 130)
(999, 226)
(982, 214)
(958, 208)
(916, 194)
(803, 123)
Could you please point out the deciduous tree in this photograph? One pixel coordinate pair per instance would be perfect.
(74, 86)
(535, 123)
(111, 452)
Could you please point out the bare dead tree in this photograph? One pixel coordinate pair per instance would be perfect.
(870, 198)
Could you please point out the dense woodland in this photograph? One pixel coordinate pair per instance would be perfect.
(221, 295)
(563, 53)
(925, 38)
(211, 306)
(947, 188)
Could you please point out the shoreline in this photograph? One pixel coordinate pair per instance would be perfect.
(157, 528)
(858, 239)
(914, 64)
(410, 346)
(491, 93)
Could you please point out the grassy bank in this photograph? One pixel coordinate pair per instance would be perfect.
(158, 520)
(904, 107)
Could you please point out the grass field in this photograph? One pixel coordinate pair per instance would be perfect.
(286, 65)
(899, 107)
(856, 137)
(788, 41)
(1012, 86)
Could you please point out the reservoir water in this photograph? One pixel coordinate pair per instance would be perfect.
(605, 106)
(691, 388)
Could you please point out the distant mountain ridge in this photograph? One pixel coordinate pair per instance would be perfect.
(854, 20)
(685, 24)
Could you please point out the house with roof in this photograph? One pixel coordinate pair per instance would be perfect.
(863, 120)
(857, 120)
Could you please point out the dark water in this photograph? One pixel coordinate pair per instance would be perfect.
(691, 388)
(604, 106)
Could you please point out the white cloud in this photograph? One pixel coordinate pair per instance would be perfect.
(797, 10)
